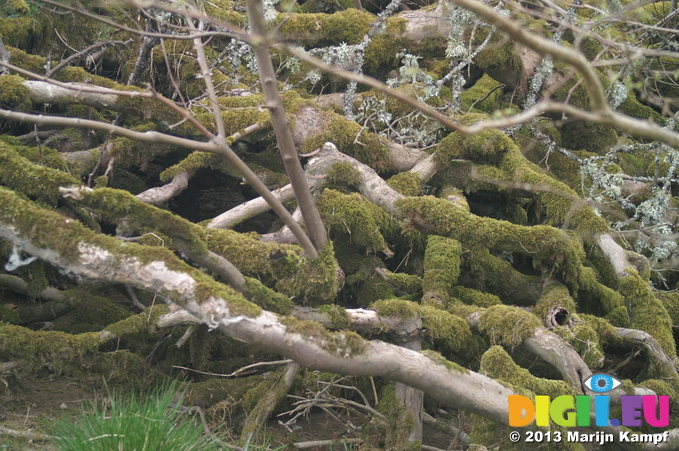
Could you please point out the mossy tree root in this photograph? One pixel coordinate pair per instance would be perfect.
(267, 402)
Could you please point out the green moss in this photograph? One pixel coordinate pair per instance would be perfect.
(339, 317)
(450, 366)
(340, 344)
(315, 280)
(16, 31)
(475, 297)
(196, 160)
(508, 326)
(554, 295)
(632, 107)
(647, 312)
(487, 147)
(343, 173)
(254, 395)
(352, 214)
(549, 247)
(142, 322)
(257, 293)
(239, 113)
(13, 94)
(93, 313)
(441, 269)
(447, 331)
(496, 363)
(618, 317)
(129, 152)
(42, 156)
(410, 283)
(127, 208)
(598, 138)
(585, 340)
(396, 308)
(146, 108)
(407, 183)
(351, 139)
(39, 182)
(444, 329)
(224, 10)
(343, 26)
(670, 301)
(8, 315)
(253, 257)
(40, 347)
(66, 237)
(480, 90)
(20, 58)
(594, 297)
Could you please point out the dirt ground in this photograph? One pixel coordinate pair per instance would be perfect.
(34, 403)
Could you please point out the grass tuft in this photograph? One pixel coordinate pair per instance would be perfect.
(152, 422)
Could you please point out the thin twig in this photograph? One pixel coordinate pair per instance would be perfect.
(238, 372)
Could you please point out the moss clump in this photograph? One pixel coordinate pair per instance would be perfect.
(618, 317)
(508, 326)
(196, 160)
(670, 301)
(343, 173)
(496, 363)
(40, 347)
(254, 395)
(351, 139)
(125, 207)
(129, 152)
(441, 269)
(13, 94)
(409, 283)
(96, 311)
(353, 214)
(9, 316)
(445, 329)
(475, 297)
(343, 26)
(407, 183)
(487, 147)
(340, 344)
(550, 247)
(585, 340)
(38, 182)
(142, 322)
(255, 292)
(632, 107)
(253, 257)
(396, 308)
(595, 297)
(647, 312)
(554, 295)
(480, 90)
(315, 280)
(597, 138)
(339, 318)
